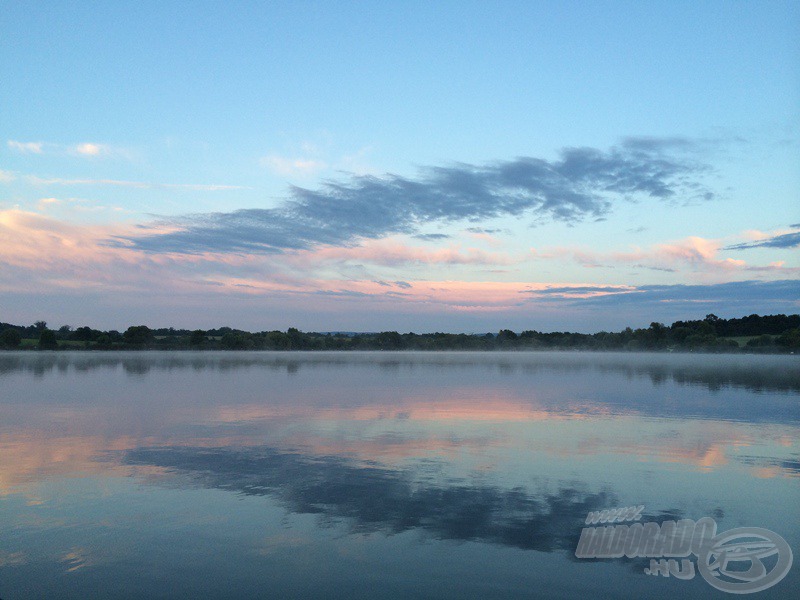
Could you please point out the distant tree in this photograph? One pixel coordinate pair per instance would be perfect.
(10, 338)
(277, 340)
(138, 336)
(40, 326)
(85, 334)
(707, 328)
(197, 338)
(761, 341)
(296, 338)
(389, 340)
(237, 340)
(64, 331)
(506, 335)
(47, 340)
(789, 338)
(657, 335)
(679, 334)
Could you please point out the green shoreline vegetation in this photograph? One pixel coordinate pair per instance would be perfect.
(754, 333)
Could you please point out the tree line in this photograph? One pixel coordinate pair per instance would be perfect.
(753, 333)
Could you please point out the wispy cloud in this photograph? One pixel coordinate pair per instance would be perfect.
(581, 185)
(579, 291)
(45, 203)
(198, 187)
(291, 167)
(484, 230)
(90, 149)
(396, 253)
(785, 240)
(84, 149)
(74, 206)
(432, 237)
(26, 147)
(699, 255)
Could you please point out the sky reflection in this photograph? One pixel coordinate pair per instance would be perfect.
(509, 451)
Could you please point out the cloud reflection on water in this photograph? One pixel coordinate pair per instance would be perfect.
(375, 499)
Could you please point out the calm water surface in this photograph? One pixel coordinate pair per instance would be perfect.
(379, 475)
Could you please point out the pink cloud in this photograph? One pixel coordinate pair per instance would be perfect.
(486, 238)
(44, 256)
(701, 256)
(39, 253)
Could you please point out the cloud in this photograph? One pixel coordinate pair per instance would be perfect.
(86, 149)
(658, 144)
(486, 238)
(26, 147)
(580, 291)
(733, 296)
(6, 176)
(288, 167)
(89, 149)
(73, 206)
(59, 262)
(483, 230)
(44, 203)
(44, 255)
(431, 237)
(699, 254)
(41, 255)
(394, 253)
(786, 240)
(582, 184)
(197, 187)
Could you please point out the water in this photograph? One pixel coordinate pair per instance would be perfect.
(379, 475)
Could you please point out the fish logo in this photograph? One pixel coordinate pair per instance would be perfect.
(733, 561)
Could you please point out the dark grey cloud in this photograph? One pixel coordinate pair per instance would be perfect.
(653, 268)
(483, 230)
(581, 185)
(585, 289)
(659, 144)
(432, 236)
(734, 296)
(342, 294)
(786, 240)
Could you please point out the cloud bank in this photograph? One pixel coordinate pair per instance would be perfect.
(732, 296)
(582, 184)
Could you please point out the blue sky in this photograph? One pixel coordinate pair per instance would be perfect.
(413, 166)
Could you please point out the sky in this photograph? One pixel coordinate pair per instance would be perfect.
(410, 166)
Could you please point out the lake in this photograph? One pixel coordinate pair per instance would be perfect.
(389, 475)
